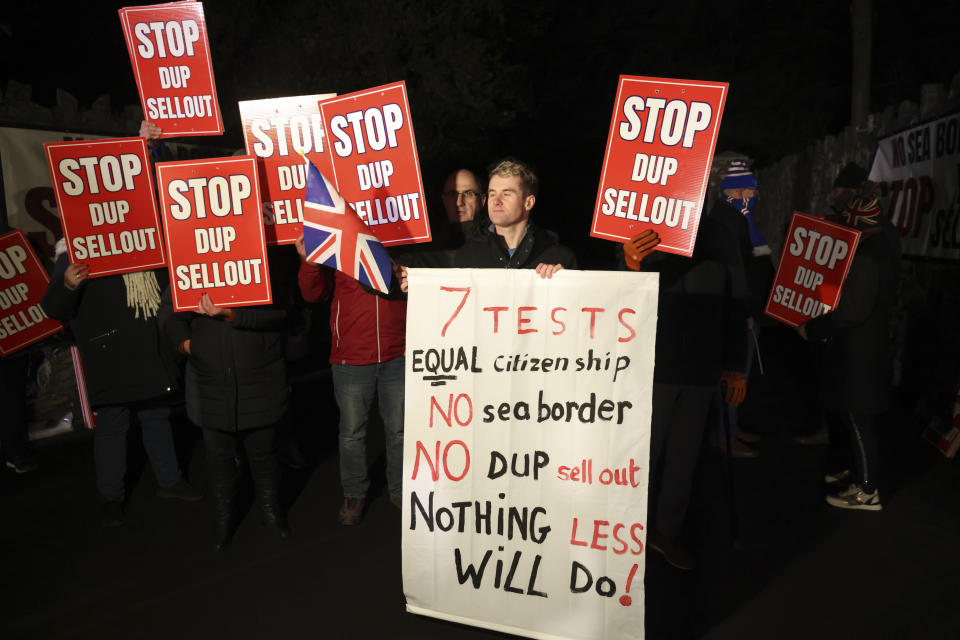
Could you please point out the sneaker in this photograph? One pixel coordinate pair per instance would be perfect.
(351, 511)
(674, 553)
(812, 439)
(183, 490)
(853, 497)
(844, 477)
(739, 449)
(751, 438)
(396, 500)
(111, 514)
(23, 462)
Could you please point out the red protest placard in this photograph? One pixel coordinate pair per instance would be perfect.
(171, 60)
(279, 132)
(655, 170)
(107, 208)
(23, 281)
(813, 266)
(214, 233)
(376, 168)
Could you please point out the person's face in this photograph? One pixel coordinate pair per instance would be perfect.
(461, 196)
(508, 204)
(840, 197)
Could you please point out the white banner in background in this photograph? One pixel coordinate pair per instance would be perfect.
(919, 174)
(526, 445)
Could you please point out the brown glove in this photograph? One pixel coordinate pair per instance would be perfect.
(639, 247)
(736, 387)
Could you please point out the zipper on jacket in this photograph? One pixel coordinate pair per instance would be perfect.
(376, 301)
(336, 324)
(103, 335)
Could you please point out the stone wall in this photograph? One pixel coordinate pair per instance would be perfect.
(17, 107)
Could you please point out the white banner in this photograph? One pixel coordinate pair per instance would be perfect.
(526, 446)
(919, 173)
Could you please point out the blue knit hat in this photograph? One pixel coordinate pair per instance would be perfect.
(738, 176)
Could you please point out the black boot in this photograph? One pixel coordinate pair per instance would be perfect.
(223, 485)
(265, 471)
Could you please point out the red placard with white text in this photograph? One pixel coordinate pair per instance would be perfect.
(23, 281)
(657, 163)
(813, 266)
(214, 233)
(375, 163)
(279, 132)
(171, 60)
(107, 208)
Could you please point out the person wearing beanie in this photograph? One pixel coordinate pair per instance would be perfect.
(751, 276)
(854, 375)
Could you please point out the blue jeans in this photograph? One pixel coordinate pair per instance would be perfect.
(110, 446)
(354, 387)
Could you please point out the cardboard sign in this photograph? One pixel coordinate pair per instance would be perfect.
(214, 233)
(816, 258)
(279, 132)
(916, 170)
(107, 208)
(171, 61)
(526, 449)
(375, 163)
(657, 164)
(23, 281)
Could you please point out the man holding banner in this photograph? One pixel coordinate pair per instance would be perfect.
(512, 241)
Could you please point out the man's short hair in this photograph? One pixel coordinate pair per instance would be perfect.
(511, 167)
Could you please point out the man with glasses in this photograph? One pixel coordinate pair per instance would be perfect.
(463, 201)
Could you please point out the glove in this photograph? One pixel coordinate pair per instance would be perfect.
(735, 387)
(639, 247)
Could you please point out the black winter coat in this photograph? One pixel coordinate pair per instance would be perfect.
(236, 374)
(124, 358)
(487, 249)
(701, 329)
(855, 368)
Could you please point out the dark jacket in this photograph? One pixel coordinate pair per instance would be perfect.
(124, 358)
(487, 249)
(236, 375)
(701, 330)
(855, 368)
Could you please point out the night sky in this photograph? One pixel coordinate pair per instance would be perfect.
(536, 79)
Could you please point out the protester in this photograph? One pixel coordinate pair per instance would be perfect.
(854, 375)
(367, 362)
(699, 342)
(237, 392)
(131, 376)
(463, 201)
(750, 283)
(512, 240)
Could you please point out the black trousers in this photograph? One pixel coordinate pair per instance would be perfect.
(857, 433)
(676, 434)
(224, 446)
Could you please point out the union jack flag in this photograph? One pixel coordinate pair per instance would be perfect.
(334, 235)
